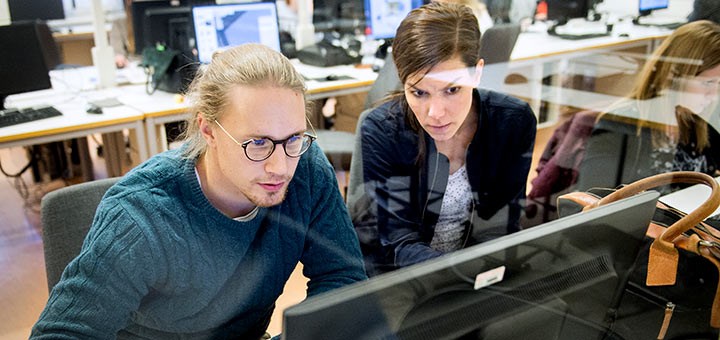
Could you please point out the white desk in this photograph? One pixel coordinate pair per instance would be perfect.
(74, 122)
(534, 50)
(162, 107)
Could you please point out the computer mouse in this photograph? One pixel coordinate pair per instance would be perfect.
(624, 35)
(331, 77)
(94, 109)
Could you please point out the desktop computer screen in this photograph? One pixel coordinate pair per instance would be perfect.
(342, 16)
(649, 5)
(559, 280)
(168, 26)
(22, 60)
(563, 10)
(35, 9)
(223, 26)
(383, 17)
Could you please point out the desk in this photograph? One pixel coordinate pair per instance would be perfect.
(74, 122)
(162, 107)
(534, 50)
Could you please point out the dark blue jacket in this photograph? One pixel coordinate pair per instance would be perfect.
(396, 215)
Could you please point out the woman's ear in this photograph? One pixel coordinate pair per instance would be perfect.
(478, 72)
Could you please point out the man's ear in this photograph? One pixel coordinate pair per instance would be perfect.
(478, 72)
(205, 129)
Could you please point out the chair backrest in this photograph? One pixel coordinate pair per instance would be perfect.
(386, 82)
(356, 189)
(497, 43)
(66, 215)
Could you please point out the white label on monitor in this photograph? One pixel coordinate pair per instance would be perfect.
(489, 277)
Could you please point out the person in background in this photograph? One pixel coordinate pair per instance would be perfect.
(444, 164)
(705, 10)
(198, 242)
(667, 122)
(118, 39)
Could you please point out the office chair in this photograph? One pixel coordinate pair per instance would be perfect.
(355, 188)
(496, 46)
(66, 215)
(387, 81)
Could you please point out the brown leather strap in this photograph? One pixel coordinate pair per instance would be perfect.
(669, 309)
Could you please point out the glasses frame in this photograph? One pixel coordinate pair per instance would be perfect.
(312, 136)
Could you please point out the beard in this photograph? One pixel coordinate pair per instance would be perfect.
(265, 199)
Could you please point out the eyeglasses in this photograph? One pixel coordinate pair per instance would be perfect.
(260, 149)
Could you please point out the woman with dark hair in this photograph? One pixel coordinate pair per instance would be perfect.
(669, 121)
(444, 164)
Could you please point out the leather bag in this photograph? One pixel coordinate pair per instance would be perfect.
(672, 238)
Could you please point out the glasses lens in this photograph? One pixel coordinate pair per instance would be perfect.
(259, 149)
(297, 145)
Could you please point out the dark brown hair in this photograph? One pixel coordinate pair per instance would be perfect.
(429, 35)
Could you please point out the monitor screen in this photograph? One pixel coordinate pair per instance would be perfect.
(343, 16)
(168, 26)
(223, 26)
(563, 10)
(35, 9)
(559, 280)
(22, 59)
(383, 17)
(649, 5)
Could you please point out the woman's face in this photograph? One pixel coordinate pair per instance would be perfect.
(441, 99)
(700, 93)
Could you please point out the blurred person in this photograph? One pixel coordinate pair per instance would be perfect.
(668, 121)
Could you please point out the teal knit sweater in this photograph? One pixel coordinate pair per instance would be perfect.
(161, 262)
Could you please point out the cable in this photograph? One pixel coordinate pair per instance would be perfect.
(19, 173)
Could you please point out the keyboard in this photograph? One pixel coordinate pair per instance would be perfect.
(9, 117)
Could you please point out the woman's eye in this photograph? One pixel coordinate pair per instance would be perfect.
(418, 93)
(453, 90)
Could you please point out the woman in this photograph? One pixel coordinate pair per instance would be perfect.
(444, 165)
(669, 121)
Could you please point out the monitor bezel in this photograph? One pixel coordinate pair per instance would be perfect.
(270, 4)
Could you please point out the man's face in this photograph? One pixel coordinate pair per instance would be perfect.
(255, 113)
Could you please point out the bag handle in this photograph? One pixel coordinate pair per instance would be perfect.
(689, 177)
(663, 257)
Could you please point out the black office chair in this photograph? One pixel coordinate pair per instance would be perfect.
(66, 215)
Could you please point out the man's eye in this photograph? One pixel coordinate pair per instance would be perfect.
(259, 142)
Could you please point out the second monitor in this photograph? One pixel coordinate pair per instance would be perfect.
(223, 26)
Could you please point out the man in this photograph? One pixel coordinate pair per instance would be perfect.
(198, 242)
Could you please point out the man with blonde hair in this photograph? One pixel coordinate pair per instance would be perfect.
(198, 242)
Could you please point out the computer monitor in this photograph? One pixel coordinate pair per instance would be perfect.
(23, 65)
(223, 26)
(563, 10)
(168, 26)
(559, 280)
(383, 17)
(647, 6)
(35, 9)
(342, 16)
